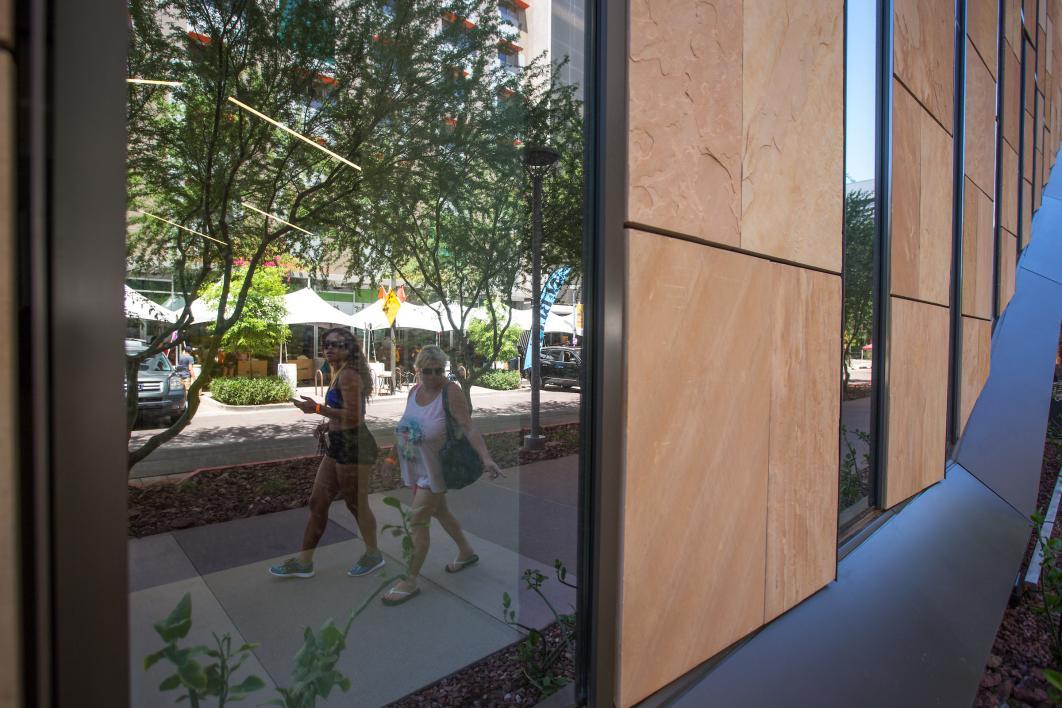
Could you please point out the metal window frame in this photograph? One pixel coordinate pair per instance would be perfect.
(879, 405)
(601, 492)
(71, 88)
(957, 221)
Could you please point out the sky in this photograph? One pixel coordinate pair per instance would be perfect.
(860, 108)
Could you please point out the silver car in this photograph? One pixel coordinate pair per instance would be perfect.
(160, 392)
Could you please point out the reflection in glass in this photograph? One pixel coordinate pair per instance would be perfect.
(860, 233)
(341, 275)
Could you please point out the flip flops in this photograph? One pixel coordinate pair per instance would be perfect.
(396, 597)
(458, 565)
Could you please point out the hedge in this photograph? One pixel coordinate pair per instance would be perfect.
(500, 380)
(243, 391)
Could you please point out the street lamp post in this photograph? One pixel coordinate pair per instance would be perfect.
(538, 159)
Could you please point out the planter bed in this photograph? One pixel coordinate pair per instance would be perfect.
(1022, 650)
(497, 680)
(239, 491)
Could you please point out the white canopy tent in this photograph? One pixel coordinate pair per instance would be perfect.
(410, 316)
(307, 307)
(139, 307)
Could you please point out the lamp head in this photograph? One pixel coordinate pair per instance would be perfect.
(540, 157)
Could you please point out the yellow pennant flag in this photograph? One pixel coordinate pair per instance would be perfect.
(390, 307)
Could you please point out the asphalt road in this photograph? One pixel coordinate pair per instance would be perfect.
(222, 436)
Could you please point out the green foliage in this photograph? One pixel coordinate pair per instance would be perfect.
(259, 326)
(492, 339)
(243, 391)
(1050, 588)
(197, 678)
(855, 469)
(859, 230)
(500, 380)
(537, 658)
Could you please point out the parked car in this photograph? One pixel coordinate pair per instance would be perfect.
(561, 366)
(161, 395)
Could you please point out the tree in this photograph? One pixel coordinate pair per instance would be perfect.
(859, 230)
(489, 343)
(353, 77)
(454, 223)
(260, 331)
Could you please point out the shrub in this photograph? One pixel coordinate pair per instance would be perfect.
(242, 391)
(499, 380)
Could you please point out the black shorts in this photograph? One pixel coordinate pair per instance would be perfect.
(355, 446)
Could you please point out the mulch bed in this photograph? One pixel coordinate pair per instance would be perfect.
(240, 491)
(1014, 672)
(497, 680)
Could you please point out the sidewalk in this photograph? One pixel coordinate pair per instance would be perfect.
(521, 521)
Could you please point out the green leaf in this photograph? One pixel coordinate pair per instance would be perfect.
(179, 621)
(506, 600)
(1054, 678)
(391, 501)
(249, 685)
(170, 683)
(192, 675)
(151, 659)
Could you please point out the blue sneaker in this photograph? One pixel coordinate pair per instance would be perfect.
(292, 568)
(368, 563)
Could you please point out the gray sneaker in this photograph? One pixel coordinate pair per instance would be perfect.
(368, 563)
(292, 568)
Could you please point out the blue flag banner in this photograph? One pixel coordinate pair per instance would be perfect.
(550, 291)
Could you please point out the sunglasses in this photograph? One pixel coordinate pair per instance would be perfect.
(433, 372)
(334, 345)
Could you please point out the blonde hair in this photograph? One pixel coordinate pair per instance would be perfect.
(430, 353)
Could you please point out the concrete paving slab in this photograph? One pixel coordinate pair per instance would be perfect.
(391, 651)
(498, 571)
(253, 540)
(554, 480)
(146, 607)
(157, 560)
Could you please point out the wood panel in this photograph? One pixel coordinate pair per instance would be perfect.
(805, 401)
(918, 398)
(977, 252)
(1027, 145)
(1008, 264)
(1011, 96)
(979, 135)
(696, 456)
(981, 24)
(1012, 24)
(924, 53)
(684, 118)
(921, 202)
(1026, 213)
(976, 352)
(1008, 191)
(793, 97)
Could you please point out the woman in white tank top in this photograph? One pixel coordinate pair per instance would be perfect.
(419, 436)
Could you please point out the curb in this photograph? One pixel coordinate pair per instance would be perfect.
(263, 407)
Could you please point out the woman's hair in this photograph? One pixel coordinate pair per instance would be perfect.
(355, 357)
(430, 353)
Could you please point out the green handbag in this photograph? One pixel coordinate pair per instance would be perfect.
(461, 464)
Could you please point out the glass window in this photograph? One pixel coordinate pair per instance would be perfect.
(364, 467)
(857, 480)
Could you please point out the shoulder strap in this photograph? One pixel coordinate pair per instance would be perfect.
(450, 424)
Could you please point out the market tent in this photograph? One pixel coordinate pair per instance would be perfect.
(471, 313)
(555, 322)
(410, 316)
(307, 307)
(139, 307)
